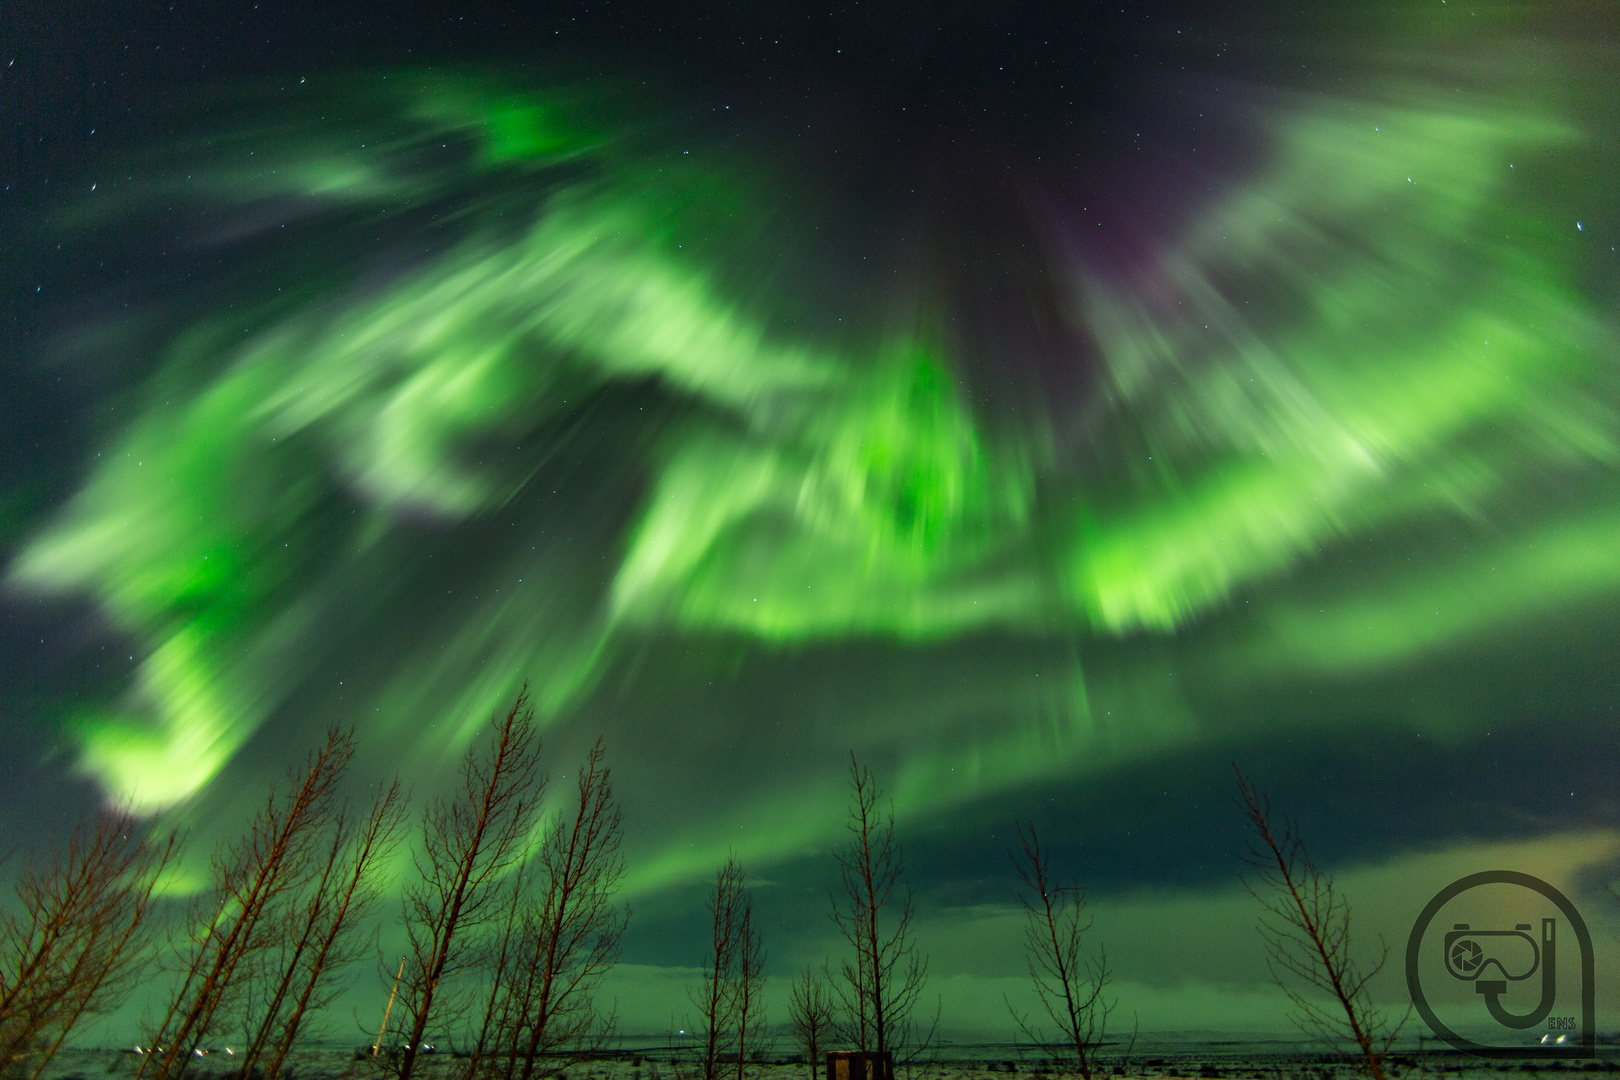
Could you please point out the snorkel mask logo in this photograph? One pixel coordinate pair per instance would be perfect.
(1512, 969)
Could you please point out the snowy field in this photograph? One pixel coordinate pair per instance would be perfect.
(1213, 1060)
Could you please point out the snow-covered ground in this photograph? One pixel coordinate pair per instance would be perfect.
(1201, 1060)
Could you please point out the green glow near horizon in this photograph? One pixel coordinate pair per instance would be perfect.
(1295, 390)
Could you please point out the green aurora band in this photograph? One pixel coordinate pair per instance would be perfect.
(1377, 332)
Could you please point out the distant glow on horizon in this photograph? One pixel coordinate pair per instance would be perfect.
(1374, 332)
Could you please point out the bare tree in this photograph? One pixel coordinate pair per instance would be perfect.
(298, 927)
(1306, 926)
(810, 1015)
(500, 949)
(747, 981)
(570, 934)
(715, 1000)
(1068, 985)
(330, 938)
(232, 933)
(885, 976)
(470, 843)
(76, 941)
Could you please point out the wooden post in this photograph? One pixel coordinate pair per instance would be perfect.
(384, 1029)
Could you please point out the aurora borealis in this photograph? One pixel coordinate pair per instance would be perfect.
(1050, 440)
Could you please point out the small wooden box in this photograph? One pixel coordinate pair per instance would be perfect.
(859, 1065)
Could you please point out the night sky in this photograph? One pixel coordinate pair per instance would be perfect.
(1052, 404)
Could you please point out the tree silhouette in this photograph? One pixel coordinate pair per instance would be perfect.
(747, 982)
(810, 1015)
(567, 936)
(1306, 926)
(470, 843)
(884, 977)
(234, 932)
(1068, 985)
(327, 927)
(716, 998)
(76, 941)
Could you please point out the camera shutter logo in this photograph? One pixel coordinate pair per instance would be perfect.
(1495, 957)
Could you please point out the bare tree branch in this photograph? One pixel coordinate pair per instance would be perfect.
(1305, 923)
(77, 940)
(747, 982)
(810, 1015)
(883, 980)
(1068, 985)
(569, 935)
(336, 917)
(470, 843)
(234, 929)
(500, 948)
(715, 998)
